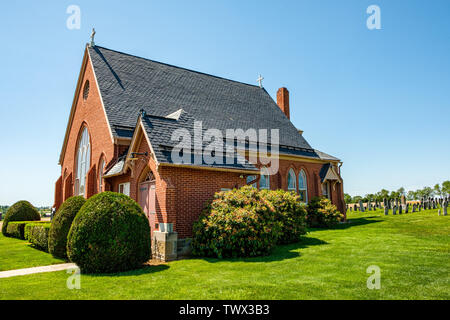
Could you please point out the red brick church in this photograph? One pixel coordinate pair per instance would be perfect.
(118, 138)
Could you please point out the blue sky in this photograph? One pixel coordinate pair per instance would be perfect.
(377, 99)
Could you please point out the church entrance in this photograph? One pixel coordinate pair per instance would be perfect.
(147, 199)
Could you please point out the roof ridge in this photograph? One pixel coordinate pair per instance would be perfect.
(178, 67)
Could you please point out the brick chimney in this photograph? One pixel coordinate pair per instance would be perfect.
(283, 101)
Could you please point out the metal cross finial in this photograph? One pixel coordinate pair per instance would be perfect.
(92, 37)
(260, 79)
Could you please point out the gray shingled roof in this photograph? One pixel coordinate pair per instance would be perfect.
(128, 84)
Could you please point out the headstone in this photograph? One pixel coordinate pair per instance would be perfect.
(406, 208)
(444, 207)
(384, 202)
(439, 212)
(361, 206)
(414, 207)
(400, 209)
(394, 210)
(386, 210)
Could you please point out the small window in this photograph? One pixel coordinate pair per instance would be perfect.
(86, 90)
(326, 189)
(124, 188)
(264, 181)
(250, 179)
(100, 175)
(302, 186)
(292, 181)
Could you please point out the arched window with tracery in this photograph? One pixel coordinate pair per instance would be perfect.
(302, 186)
(83, 162)
(292, 183)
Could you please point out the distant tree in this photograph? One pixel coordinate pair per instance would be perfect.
(427, 192)
(356, 199)
(446, 187)
(394, 195)
(412, 195)
(347, 198)
(401, 191)
(438, 190)
(384, 194)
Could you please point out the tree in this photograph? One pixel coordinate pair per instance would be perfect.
(427, 192)
(438, 190)
(347, 198)
(412, 195)
(401, 191)
(446, 187)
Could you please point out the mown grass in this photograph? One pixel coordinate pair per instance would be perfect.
(412, 251)
(18, 254)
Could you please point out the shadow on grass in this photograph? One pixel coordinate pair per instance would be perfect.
(281, 252)
(137, 272)
(354, 222)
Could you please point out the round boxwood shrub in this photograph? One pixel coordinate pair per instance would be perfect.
(61, 223)
(290, 212)
(110, 233)
(322, 213)
(20, 211)
(237, 223)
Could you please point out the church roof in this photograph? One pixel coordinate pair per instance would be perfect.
(128, 84)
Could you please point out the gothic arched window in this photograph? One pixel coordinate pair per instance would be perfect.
(292, 183)
(83, 162)
(302, 186)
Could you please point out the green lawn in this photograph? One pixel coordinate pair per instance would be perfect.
(412, 250)
(17, 254)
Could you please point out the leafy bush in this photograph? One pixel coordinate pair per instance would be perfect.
(246, 222)
(37, 234)
(110, 233)
(20, 211)
(290, 212)
(57, 238)
(322, 213)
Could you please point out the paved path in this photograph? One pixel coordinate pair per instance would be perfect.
(23, 272)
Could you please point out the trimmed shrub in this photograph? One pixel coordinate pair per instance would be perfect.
(110, 233)
(237, 223)
(61, 223)
(322, 213)
(20, 211)
(16, 229)
(290, 212)
(37, 235)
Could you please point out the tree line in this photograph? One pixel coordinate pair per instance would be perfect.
(439, 190)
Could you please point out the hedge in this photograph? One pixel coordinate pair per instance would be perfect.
(246, 222)
(61, 223)
(110, 233)
(20, 211)
(16, 229)
(37, 235)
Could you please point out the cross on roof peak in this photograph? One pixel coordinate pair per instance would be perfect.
(260, 79)
(92, 44)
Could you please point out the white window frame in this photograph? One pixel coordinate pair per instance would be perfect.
(83, 162)
(303, 187)
(124, 188)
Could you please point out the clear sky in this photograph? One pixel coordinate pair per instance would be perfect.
(377, 99)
